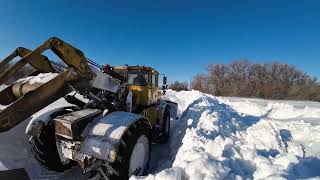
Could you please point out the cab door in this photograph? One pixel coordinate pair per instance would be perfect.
(155, 94)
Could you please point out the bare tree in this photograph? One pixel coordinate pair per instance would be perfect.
(271, 80)
(179, 86)
(200, 83)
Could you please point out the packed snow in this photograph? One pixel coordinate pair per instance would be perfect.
(240, 138)
(214, 138)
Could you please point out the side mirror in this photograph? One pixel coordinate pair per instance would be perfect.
(164, 86)
(164, 80)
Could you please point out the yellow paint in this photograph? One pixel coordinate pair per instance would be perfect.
(144, 95)
(152, 113)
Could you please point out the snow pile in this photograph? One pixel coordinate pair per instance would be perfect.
(183, 99)
(239, 138)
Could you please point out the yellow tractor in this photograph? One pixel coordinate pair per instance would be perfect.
(107, 132)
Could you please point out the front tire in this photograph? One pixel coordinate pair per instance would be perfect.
(134, 152)
(44, 149)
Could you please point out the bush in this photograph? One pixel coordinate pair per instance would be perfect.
(245, 79)
(179, 86)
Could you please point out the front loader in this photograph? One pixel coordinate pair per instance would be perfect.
(108, 132)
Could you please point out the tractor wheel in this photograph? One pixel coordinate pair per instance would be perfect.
(45, 151)
(133, 154)
(165, 130)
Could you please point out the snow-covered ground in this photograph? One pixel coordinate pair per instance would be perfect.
(214, 138)
(240, 138)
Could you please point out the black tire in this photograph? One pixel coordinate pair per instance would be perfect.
(125, 149)
(45, 151)
(165, 127)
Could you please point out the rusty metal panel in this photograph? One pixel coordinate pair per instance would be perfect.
(63, 129)
(71, 125)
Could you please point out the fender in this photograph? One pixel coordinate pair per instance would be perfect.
(39, 120)
(104, 134)
(172, 107)
(162, 106)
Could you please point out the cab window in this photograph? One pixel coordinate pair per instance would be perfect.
(155, 80)
(121, 71)
(138, 77)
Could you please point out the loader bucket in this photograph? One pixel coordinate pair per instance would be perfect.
(33, 101)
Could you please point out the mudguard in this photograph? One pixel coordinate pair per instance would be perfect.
(172, 106)
(173, 109)
(104, 134)
(35, 124)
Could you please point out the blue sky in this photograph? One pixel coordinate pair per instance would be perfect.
(177, 37)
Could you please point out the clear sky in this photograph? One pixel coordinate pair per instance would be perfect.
(177, 37)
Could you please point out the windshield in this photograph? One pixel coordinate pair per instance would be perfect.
(138, 77)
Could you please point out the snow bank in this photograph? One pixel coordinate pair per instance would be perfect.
(239, 138)
(183, 98)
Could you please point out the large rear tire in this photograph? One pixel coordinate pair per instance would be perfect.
(133, 152)
(45, 151)
(165, 130)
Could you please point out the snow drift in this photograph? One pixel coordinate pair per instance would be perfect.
(214, 138)
(239, 138)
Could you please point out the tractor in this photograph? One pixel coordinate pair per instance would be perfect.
(114, 113)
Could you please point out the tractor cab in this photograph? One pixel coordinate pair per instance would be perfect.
(143, 82)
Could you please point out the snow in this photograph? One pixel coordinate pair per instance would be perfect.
(214, 138)
(240, 138)
(2, 87)
(109, 129)
(40, 78)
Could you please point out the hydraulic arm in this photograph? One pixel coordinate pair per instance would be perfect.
(48, 92)
(39, 62)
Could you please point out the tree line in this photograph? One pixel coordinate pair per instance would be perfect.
(245, 79)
